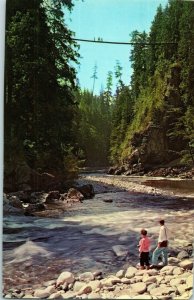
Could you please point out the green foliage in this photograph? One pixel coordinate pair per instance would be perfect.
(122, 114)
(39, 81)
(162, 84)
(94, 128)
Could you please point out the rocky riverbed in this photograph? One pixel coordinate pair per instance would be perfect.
(98, 234)
(174, 281)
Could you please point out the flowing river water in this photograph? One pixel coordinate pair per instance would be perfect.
(82, 239)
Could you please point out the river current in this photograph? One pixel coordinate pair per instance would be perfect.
(39, 249)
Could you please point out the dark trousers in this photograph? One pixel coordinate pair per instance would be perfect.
(144, 259)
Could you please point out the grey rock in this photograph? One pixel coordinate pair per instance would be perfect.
(97, 273)
(120, 250)
(86, 277)
(182, 255)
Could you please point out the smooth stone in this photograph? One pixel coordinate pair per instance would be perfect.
(167, 270)
(159, 279)
(183, 254)
(139, 287)
(28, 296)
(131, 271)
(177, 271)
(41, 294)
(151, 287)
(186, 264)
(177, 281)
(126, 292)
(97, 273)
(86, 289)
(78, 285)
(50, 289)
(49, 283)
(160, 291)
(141, 272)
(68, 294)
(182, 288)
(189, 282)
(110, 281)
(138, 278)
(95, 284)
(151, 279)
(94, 296)
(185, 274)
(86, 277)
(120, 274)
(152, 272)
(174, 261)
(65, 277)
(125, 280)
(55, 295)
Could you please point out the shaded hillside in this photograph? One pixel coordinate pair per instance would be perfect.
(161, 130)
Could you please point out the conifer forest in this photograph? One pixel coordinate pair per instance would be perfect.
(52, 125)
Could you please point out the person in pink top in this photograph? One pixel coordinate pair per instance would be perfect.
(144, 247)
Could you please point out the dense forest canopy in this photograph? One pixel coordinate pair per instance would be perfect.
(152, 119)
(52, 125)
(40, 105)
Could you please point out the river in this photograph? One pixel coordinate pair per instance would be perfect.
(39, 249)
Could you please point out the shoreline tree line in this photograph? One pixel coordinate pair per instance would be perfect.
(52, 125)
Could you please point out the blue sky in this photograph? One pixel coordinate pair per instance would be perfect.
(112, 20)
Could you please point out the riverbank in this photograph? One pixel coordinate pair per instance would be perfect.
(93, 234)
(138, 184)
(174, 281)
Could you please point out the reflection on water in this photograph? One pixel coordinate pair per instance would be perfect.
(177, 186)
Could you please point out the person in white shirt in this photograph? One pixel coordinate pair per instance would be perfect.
(162, 248)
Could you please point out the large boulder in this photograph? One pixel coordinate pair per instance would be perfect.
(74, 195)
(15, 201)
(87, 190)
(52, 195)
(12, 205)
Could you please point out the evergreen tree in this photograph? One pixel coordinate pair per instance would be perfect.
(39, 80)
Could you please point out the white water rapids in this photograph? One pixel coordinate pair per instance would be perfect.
(38, 249)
